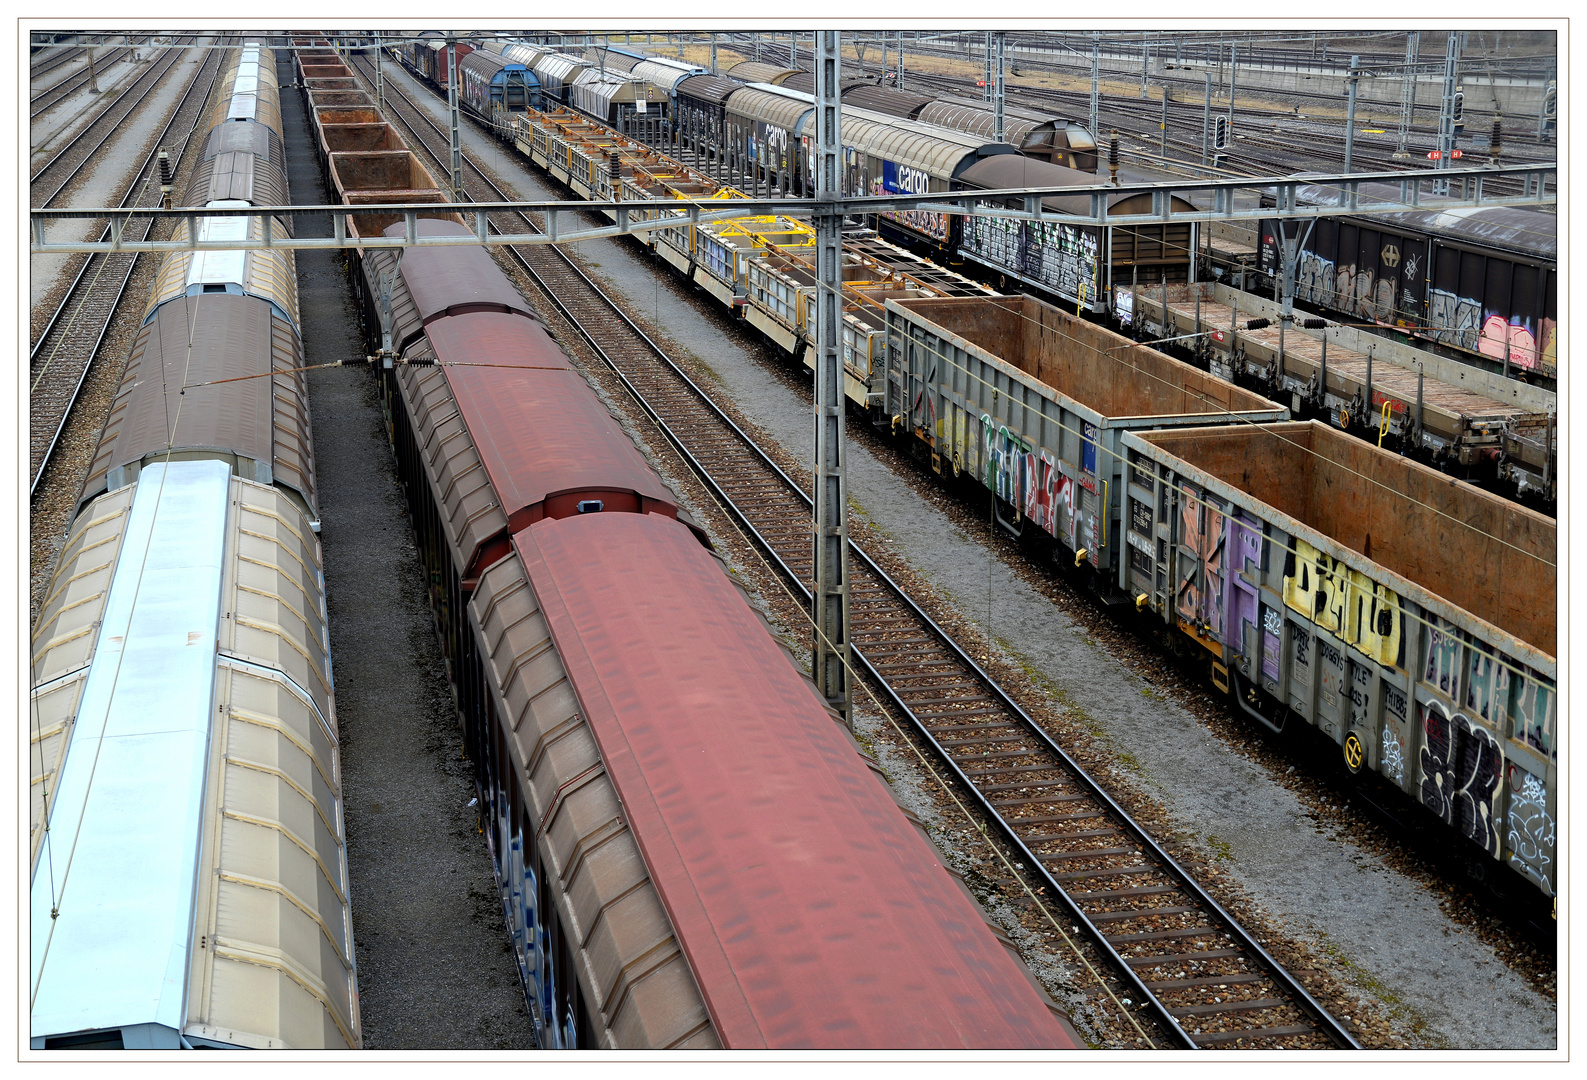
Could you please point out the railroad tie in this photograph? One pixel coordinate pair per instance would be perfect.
(1205, 980)
(1160, 935)
(1211, 1038)
(1089, 853)
(1090, 834)
(993, 741)
(1181, 958)
(1006, 803)
(1022, 785)
(1136, 913)
(1118, 894)
(1112, 871)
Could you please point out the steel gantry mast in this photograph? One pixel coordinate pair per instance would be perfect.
(453, 120)
(830, 597)
(1001, 51)
(1096, 72)
(1446, 113)
(1408, 93)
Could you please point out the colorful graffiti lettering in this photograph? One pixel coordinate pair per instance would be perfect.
(1531, 837)
(1488, 685)
(1061, 258)
(1534, 714)
(1499, 333)
(1345, 602)
(1453, 319)
(1201, 597)
(1272, 627)
(1393, 763)
(1312, 278)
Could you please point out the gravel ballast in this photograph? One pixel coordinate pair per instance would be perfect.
(436, 967)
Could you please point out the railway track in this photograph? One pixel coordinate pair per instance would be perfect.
(50, 63)
(50, 96)
(1203, 979)
(69, 344)
(55, 175)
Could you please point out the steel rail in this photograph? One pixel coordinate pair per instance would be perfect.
(1166, 865)
(153, 75)
(79, 78)
(126, 274)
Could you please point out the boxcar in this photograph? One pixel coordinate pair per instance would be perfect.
(489, 84)
(1078, 264)
(1483, 281)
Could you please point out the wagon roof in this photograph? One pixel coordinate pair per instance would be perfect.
(798, 890)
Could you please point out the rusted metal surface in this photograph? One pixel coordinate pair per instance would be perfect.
(812, 913)
(319, 99)
(542, 442)
(260, 425)
(577, 837)
(1409, 617)
(1032, 401)
(456, 280)
(346, 138)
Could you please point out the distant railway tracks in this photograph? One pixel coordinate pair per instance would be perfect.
(57, 92)
(1200, 978)
(67, 347)
(55, 175)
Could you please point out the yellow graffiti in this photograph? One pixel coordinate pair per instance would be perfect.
(1375, 619)
(1344, 602)
(960, 446)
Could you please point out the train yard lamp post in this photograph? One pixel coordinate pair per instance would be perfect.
(380, 79)
(830, 595)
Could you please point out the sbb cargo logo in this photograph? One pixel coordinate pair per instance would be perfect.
(904, 179)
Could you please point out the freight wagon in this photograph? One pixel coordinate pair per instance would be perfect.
(1409, 618)
(1032, 401)
(1481, 283)
(1460, 418)
(184, 751)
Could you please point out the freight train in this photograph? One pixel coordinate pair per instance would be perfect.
(1039, 419)
(657, 779)
(189, 878)
(1481, 284)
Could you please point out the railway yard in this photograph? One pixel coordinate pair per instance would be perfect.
(1201, 688)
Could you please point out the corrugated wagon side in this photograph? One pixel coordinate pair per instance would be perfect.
(1033, 401)
(1409, 617)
